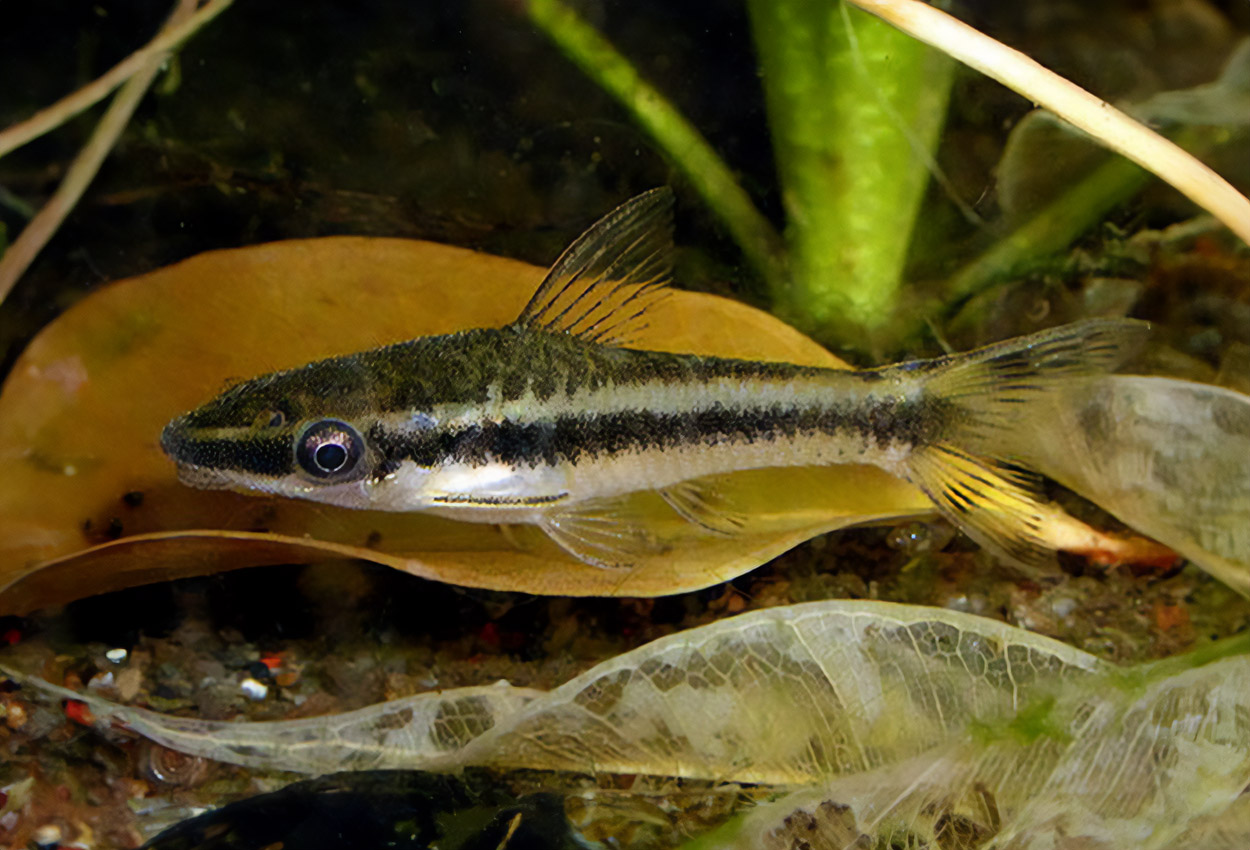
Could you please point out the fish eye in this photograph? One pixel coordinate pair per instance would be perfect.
(329, 449)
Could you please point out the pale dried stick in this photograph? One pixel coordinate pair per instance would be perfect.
(1069, 101)
(36, 234)
(67, 107)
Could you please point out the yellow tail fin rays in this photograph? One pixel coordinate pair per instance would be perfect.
(997, 505)
(602, 286)
(976, 475)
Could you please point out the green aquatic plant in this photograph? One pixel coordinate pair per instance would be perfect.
(856, 104)
(869, 721)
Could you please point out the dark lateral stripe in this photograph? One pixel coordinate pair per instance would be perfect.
(269, 456)
(570, 438)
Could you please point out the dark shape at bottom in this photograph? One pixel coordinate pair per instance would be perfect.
(400, 809)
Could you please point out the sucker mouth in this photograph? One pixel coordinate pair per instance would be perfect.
(202, 477)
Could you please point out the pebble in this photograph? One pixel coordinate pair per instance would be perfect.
(48, 835)
(14, 715)
(101, 682)
(117, 656)
(253, 689)
(1063, 606)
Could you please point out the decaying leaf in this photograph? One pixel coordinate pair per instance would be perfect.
(898, 723)
(1166, 456)
(1044, 154)
(82, 411)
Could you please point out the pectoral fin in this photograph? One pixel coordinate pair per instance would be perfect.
(607, 533)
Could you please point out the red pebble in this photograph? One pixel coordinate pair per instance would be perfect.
(79, 713)
(273, 662)
(11, 637)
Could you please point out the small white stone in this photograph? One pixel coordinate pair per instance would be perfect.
(101, 682)
(117, 656)
(253, 689)
(1063, 606)
(48, 835)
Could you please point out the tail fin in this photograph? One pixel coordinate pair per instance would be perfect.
(974, 473)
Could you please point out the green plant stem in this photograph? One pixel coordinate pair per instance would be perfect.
(1052, 229)
(1095, 116)
(855, 108)
(674, 135)
(1062, 221)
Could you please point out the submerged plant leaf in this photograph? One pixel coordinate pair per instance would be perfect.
(1043, 153)
(786, 696)
(82, 412)
(895, 722)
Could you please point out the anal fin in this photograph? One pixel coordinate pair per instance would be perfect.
(703, 506)
(995, 503)
(602, 532)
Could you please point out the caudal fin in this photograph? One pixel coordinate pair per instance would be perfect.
(975, 473)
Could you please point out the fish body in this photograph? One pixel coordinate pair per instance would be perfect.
(500, 425)
(552, 420)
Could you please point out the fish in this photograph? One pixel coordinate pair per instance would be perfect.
(555, 420)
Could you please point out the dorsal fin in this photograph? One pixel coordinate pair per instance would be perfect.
(604, 282)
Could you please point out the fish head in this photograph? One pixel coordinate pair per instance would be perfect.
(302, 433)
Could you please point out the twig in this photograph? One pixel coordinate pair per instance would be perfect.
(70, 105)
(1072, 103)
(683, 144)
(41, 228)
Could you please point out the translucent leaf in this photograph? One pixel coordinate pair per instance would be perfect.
(1164, 455)
(882, 724)
(417, 730)
(1120, 767)
(1044, 155)
(83, 408)
(787, 696)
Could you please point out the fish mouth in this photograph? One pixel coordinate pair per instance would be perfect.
(203, 477)
(176, 444)
(173, 439)
(179, 446)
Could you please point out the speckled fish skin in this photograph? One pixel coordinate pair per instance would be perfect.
(548, 419)
(550, 408)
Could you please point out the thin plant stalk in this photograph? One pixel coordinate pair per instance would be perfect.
(676, 137)
(1069, 101)
(1051, 229)
(856, 108)
(67, 107)
(48, 220)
